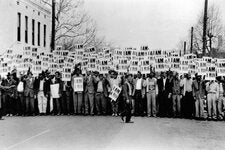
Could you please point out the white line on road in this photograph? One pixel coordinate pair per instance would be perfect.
(30, 138)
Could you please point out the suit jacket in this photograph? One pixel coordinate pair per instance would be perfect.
(89, 84)
(126, 91)
(47, 84)
(105, 86)
(160, 85)
(199, 89)
(29, 87)
(169, 86)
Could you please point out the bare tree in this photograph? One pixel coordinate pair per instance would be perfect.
(214, 29)
(72, 24)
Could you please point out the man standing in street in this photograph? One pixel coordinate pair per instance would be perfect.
(57, 101)
(29, 93)
(138, 85)
(151, 90)
(101, 94)
(188, 101)
(212, 87)
(221, 100)
(127, 96)
(42, 100)
(161, 82)
(113, 79)
(77, 95)
(176, 96)
(199, 94)
(89, 93)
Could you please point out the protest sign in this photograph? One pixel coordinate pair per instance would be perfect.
(78, 84)
(55, 90)
(114, 94)
(211, 72)
(220, 67)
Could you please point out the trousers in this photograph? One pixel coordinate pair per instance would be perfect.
(100, 104)
(220, 107)
(151, 103)
(211, 103)
(176, 106)
(29, 104)
(42, 102)
(199, 108)
(89, 103)
(77, 102)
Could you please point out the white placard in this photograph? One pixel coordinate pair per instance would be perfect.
(114, 94)
(211, 73)
(78, 84)
(55, 90)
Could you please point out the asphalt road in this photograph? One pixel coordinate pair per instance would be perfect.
(109, 133)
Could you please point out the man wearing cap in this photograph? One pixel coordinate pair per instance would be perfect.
(212, 87)
(29, 94)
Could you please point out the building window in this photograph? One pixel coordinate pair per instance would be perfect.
(44, 36)
(19, 27)
(26, 29)
(33, 32)
(39, 29)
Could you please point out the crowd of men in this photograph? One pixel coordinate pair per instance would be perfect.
(165, 95)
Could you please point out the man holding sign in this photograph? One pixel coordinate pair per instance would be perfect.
(77, 85)
(115, 83)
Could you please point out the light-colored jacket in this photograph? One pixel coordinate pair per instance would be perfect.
(213, 88)
(147, 82)
(183, 84)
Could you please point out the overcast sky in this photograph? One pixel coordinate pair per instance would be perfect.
(157, 23)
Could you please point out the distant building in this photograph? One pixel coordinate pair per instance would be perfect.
(24, 23)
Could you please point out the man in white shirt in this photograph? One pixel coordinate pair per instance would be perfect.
(42, 100)
(212, 87)
(138, 97)
(188, 101)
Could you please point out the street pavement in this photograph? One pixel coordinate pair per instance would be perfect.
(109, 133)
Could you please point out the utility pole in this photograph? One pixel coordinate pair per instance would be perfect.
(53, 26)
(192, 30)
(184, 47)
(205, 28)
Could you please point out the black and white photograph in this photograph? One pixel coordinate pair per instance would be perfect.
(112, 75)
